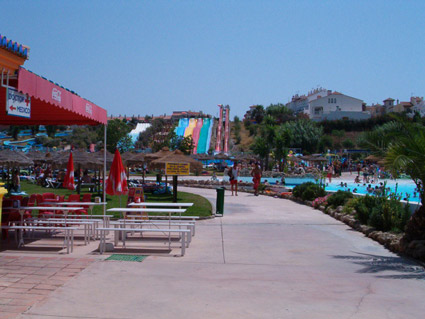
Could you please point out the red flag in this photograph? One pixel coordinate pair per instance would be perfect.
(68, 181)
(117, 180)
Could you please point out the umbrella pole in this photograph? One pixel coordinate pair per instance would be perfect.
(104, 170)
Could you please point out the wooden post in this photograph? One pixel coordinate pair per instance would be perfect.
(174, 188)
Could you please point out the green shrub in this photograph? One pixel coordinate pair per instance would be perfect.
(339, 198)
(385, 214)
(299, 189)
(308, 191)
(350, 205)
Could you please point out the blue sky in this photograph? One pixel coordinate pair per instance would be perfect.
(154, 57)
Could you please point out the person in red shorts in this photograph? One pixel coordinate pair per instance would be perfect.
(233, 178)
(256, 177)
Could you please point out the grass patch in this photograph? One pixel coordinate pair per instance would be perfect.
(201, 206)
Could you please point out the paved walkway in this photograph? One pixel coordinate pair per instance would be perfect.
(266, 258)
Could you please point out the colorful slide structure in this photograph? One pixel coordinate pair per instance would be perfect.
(196, 133)
(180, 129)
(199, 129)
(204, 137)
(189, 128)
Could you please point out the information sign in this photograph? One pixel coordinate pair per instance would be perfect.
(177, 168)
(18, 104)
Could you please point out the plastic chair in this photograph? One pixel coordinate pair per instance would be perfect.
(76, 198)
(9, 214)
(43, 213)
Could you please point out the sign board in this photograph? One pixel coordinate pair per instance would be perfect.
(18, 104)
(177, 168)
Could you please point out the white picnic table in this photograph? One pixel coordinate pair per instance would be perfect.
(89, 204)
(147, 204)
(65, 210)
(124, 212)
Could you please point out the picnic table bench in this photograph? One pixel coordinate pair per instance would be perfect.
(68, 234)
(184, 235)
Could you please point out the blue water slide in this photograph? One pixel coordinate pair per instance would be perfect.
(203, 137)
(183, 123)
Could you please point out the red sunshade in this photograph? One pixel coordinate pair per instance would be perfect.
(117, 180)
(51, 104)
(68, 181)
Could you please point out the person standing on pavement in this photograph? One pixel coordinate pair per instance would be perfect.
(256, 177)
(233, 177)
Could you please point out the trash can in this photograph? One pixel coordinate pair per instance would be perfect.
(2, 192)
(220, 201)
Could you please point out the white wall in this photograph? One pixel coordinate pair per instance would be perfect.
(334, 103)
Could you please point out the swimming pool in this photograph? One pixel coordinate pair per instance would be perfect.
(405, 188)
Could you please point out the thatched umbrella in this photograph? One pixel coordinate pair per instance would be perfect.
(81, 159)
(11, 158)
(100, 156)
(163, 152)
(131, 159)
(177, 157)
(318, 159)
(221, 156)
(373, 158)
(14, 158)
(37, 157)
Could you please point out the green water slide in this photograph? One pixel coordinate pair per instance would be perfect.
(203, 137)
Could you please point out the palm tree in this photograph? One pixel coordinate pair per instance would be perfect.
(403, 145)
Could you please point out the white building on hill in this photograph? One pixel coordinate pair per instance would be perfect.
(337, 106)
(321, 104)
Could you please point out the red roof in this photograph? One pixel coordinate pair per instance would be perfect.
(51, 104)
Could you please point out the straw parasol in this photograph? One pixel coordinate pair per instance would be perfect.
(100, 156)
(177, 157)
(37, 157)
(81, 158)
(135, 159)
(318, 159)
(163, 152)
(373, 158)
(221, 156)
(14, 158)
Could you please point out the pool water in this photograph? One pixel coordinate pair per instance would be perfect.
(405, 188)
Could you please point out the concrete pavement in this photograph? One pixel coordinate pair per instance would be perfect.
(266, 258)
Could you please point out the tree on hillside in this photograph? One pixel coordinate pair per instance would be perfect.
(182, 143)
(116, 131)
(280, 113)
(281, 144)
(305, 134)
(82, 136)
(156, 136)
(260, 147)
(258, 113)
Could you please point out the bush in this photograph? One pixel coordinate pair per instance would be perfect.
(308, 191)
(339, 198)
(386, 214)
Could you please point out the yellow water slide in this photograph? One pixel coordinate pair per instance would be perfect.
(190, 127)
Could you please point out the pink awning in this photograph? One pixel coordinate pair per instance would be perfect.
(51, 104)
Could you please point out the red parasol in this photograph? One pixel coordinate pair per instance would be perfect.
(68, 181)
(117, 180)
